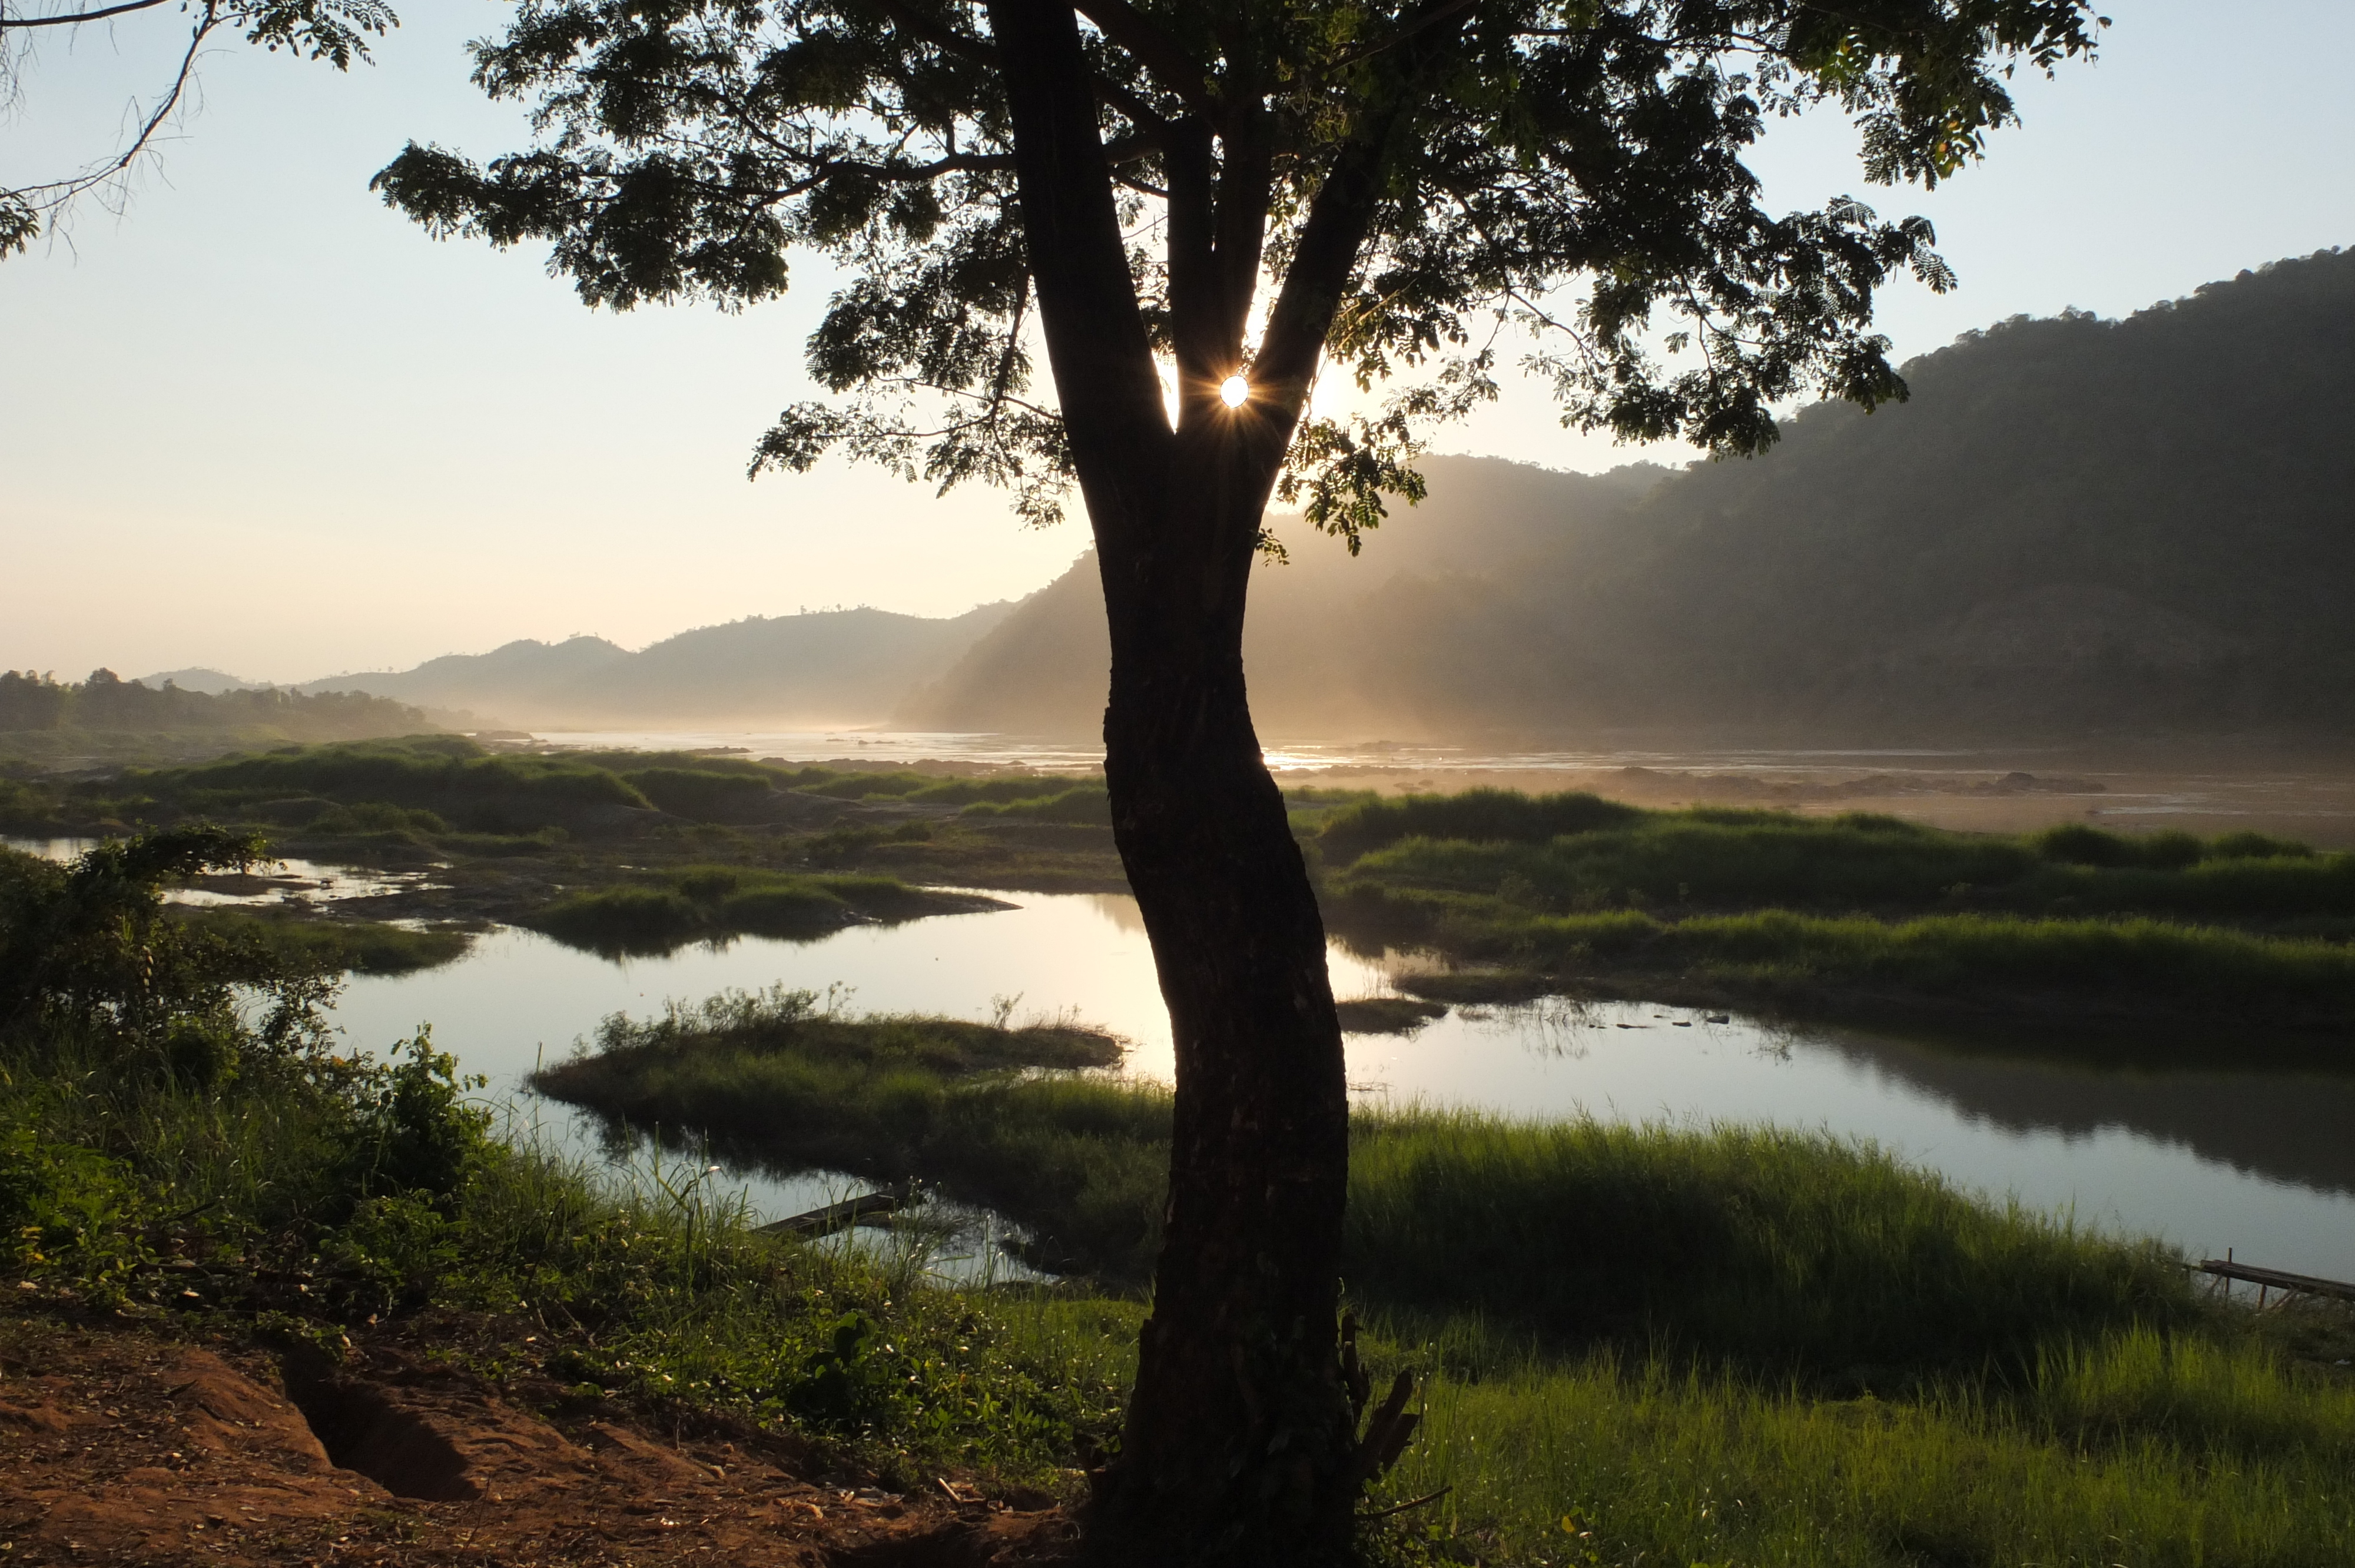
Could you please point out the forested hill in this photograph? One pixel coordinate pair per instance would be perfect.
(827, 667)
(2075, 525)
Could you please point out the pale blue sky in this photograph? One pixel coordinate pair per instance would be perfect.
(261, 423)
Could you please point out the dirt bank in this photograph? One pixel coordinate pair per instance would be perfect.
(125, 1444)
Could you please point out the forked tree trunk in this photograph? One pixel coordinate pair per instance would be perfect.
(1238, 1447)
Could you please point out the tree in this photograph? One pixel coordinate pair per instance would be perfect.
(332, 30)
(1200, 203)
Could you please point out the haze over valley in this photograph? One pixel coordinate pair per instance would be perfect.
(2076, 528)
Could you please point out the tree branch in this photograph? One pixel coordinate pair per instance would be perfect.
(1155, 50)
(1430, 17)
(938, 33)
(981, 52)
(1096, 340)
(1338, 220)
(71, 18)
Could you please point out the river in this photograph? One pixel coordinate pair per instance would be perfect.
(2259, 1162)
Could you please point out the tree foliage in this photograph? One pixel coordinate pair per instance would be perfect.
(87, 951)
(335, 31)
(1571, 168)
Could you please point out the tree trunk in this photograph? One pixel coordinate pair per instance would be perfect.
(1238, 1447)
(1239, 1434)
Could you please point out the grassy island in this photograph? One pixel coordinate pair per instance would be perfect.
(1643, 1344)
(1855, 913)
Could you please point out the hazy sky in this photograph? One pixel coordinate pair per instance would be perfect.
(264, 424)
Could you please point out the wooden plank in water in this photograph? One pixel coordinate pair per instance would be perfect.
(832, 1217)
(2274, 1279)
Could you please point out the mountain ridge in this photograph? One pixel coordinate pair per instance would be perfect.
(2073, 526)
(823, 667)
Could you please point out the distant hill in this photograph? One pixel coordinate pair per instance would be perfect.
(197, 678)
(831, 667)
(2075, 525)
(1044, 669)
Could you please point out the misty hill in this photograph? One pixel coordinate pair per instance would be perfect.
(2075, 525)
(1043, 670)
(830, 667)
(199, 678)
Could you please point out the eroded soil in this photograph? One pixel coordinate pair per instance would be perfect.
(121, 1444)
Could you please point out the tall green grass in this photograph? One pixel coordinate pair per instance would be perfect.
(1487, 843)
(1789, 1253)
(1794, 1254)
(775, 1080)
(305, 1195)
(1611, 1459)
(2136, 962)
(665, 911)
(1640, 1345)
(1627, 1336)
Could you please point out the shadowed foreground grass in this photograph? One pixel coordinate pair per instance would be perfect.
(308, 1197)
(1608, 1460)
(2114, 1420)
(1642, 1345)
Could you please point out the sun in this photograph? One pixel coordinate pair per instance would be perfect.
(1234, 390)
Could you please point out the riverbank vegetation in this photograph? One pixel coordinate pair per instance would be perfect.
(618, 851)
(1867, 917)
(1640, 1344)
(1636, 1345)
(182, 1146)
(1854, 913)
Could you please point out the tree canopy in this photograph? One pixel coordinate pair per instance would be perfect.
(1482, 154)
(1203, 204)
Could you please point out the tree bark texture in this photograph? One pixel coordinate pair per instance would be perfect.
(1241, 1444)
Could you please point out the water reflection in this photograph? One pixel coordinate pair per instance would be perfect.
(2258, 1161)
(2292, 1127)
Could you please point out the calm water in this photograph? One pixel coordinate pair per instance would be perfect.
(2263, 1163)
